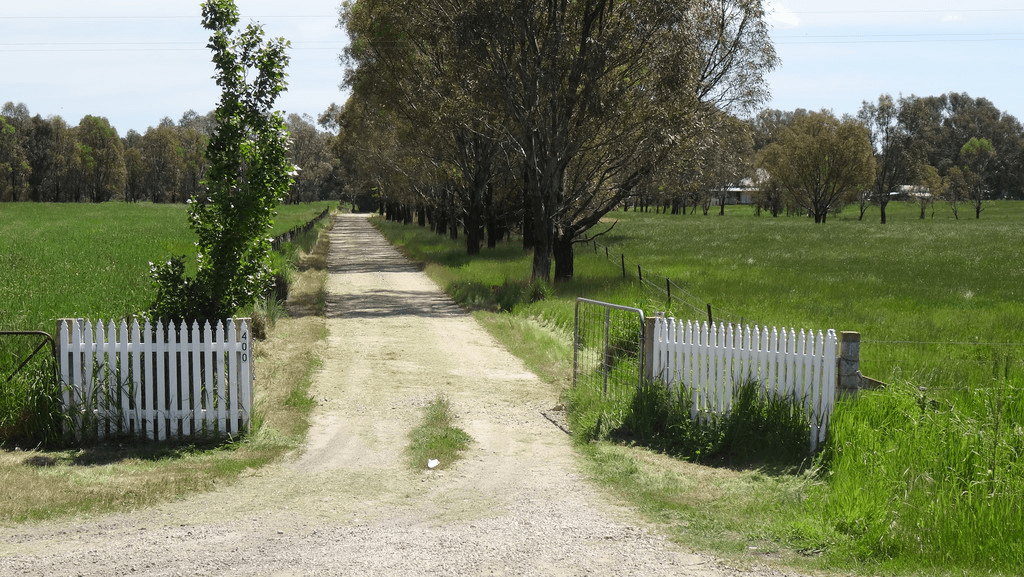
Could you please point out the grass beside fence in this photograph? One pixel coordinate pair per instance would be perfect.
(127, 474)
(940, 307)
(935, 485)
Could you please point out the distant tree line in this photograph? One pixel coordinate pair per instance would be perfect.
(950, 148)
(47, 160)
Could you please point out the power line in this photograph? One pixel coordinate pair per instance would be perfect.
(195, 46)
(919, 35)
(895, 41)
(947, 11)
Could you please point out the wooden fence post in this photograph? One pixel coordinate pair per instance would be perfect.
(649, 323)
(848, 381)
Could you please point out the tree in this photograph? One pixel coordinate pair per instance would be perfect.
(956, 189)
(135, 174)
(14, 166)
(940, 126)
(192, 142)
(932, 186)
(249, 175)
(429, 83)
(891, 141)
(730, 161)
(163, 157)
(310, 151)
(978, 154)
(589, 97)
(820, 161)
(102, 158)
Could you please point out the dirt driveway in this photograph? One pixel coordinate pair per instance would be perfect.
(347, 504)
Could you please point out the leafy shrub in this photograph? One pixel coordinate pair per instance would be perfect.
(249, 173)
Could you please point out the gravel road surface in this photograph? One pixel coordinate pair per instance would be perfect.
(347, 504)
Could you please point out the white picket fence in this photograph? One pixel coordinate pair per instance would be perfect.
(154, 381)
(708, 362)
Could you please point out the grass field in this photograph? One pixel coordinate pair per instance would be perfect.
(92, 260)
(43, 482)
(910, 287)
(923, 477)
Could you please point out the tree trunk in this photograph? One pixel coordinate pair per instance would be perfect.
(528, 218)
(563, 253)
(440, 222)
(542, 230)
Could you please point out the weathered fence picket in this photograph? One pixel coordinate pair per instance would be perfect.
(154, 381)
(707, 362)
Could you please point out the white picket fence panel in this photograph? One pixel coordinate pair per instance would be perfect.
(154, 381)
(707, 362)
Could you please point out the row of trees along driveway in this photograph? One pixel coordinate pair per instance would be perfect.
(560, 108)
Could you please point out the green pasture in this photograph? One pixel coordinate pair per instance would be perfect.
(92, 260)
(938, 299)
(934, 298)
(922, 477)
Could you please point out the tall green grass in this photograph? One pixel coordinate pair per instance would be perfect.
(30, 406)
(759, 430)
(915, 481)
(92, 260)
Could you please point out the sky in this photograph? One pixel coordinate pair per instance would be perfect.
(136, 62)
(837, 54)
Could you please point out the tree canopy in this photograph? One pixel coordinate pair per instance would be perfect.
(583, 101)
(249, 174)
(820, 161)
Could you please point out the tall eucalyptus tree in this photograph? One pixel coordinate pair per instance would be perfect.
(591, 96)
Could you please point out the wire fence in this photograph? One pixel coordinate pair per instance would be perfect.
(942, 364)
(676, 297)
